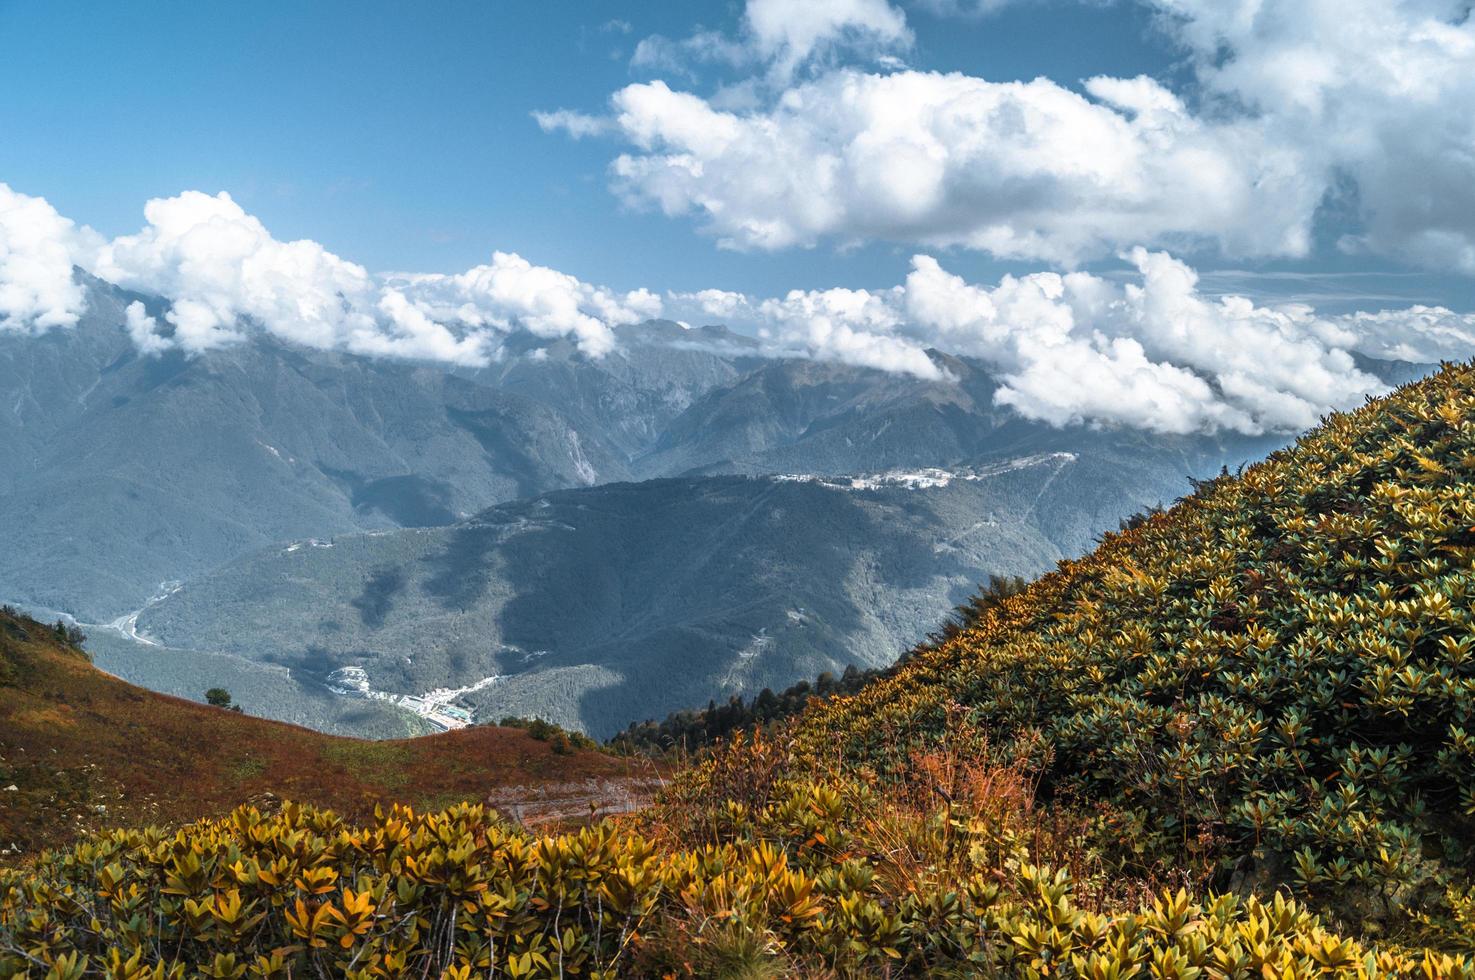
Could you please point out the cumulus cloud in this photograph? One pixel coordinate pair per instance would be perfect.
(219, 266)
(1379, 89)
(1073, 348)
(855, 326)
(1294, 103)
(410, 332)
(1152, 353)
(511, 291)
(723, 304)
(1025, 170)
(38, 248)
(144, 330)
(1420, 334)
(225, 276)
(788, 34)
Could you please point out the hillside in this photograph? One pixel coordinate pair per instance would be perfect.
(1274, 679)
(1233, 741)
(80, 749)
(605, 605)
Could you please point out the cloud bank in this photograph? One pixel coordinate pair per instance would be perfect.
(1022, 170)
(1379, 90)
(1152, 353)
(226, 277)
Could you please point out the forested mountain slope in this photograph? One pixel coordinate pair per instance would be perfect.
(601, 606)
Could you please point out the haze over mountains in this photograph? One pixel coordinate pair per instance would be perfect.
(492, 522)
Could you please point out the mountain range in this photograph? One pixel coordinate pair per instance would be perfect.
(610, 538)
(595, 606)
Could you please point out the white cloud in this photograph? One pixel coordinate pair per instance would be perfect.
(576, 124)
(660, 53)
(413, 334)
(1152, 353)
(38, 248)
(721, 303)
(217, 265)
(854, 326)
(512, 292)
(787, 34)
(1078, 348)
(781, 37)
(1023, 170)
(143, 330)
(224, 277)
(1364, 102)
(1381, 89)
(1421, 334)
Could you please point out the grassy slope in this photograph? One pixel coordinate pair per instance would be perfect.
(84, 749)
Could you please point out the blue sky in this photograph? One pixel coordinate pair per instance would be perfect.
(1178, 215)
(401, 136)
(405, 140)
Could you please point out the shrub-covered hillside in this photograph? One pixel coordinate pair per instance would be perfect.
(1232, 742)
(461, 894)
(1277, 676)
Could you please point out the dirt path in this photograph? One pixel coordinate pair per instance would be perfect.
(577, 800)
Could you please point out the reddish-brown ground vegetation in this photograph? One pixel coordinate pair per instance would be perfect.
(80, 749)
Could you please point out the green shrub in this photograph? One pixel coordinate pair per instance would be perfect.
(563, 741)
(1276, 676)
